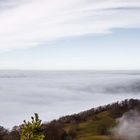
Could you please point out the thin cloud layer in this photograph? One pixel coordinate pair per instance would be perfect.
(31, 23)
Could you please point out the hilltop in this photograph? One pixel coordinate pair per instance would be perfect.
(93, 124)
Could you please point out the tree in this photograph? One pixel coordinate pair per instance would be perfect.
(15, 133)
(72, 133)
(3, 132)
(32, 130)
(102, 129)
(55, 131)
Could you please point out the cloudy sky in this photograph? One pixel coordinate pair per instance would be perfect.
(74, 34)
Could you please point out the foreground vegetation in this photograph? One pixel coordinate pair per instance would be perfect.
(93, 124)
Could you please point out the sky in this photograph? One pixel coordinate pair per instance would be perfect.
(74, 34)
(66, 35)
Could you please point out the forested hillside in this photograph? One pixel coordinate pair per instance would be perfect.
(93, 124)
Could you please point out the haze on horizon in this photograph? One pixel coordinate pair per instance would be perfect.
(74, 34)
(53, 94)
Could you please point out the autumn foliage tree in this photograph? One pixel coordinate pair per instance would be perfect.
(32, 130)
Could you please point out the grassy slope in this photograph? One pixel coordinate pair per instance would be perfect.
(90, 129)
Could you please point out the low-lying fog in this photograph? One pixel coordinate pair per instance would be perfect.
(54, 94)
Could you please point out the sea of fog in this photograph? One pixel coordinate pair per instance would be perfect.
(53, 94)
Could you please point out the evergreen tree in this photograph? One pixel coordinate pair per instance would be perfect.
(32, 130)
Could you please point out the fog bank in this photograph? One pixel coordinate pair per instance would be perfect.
(128, 127)
(56, 93)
